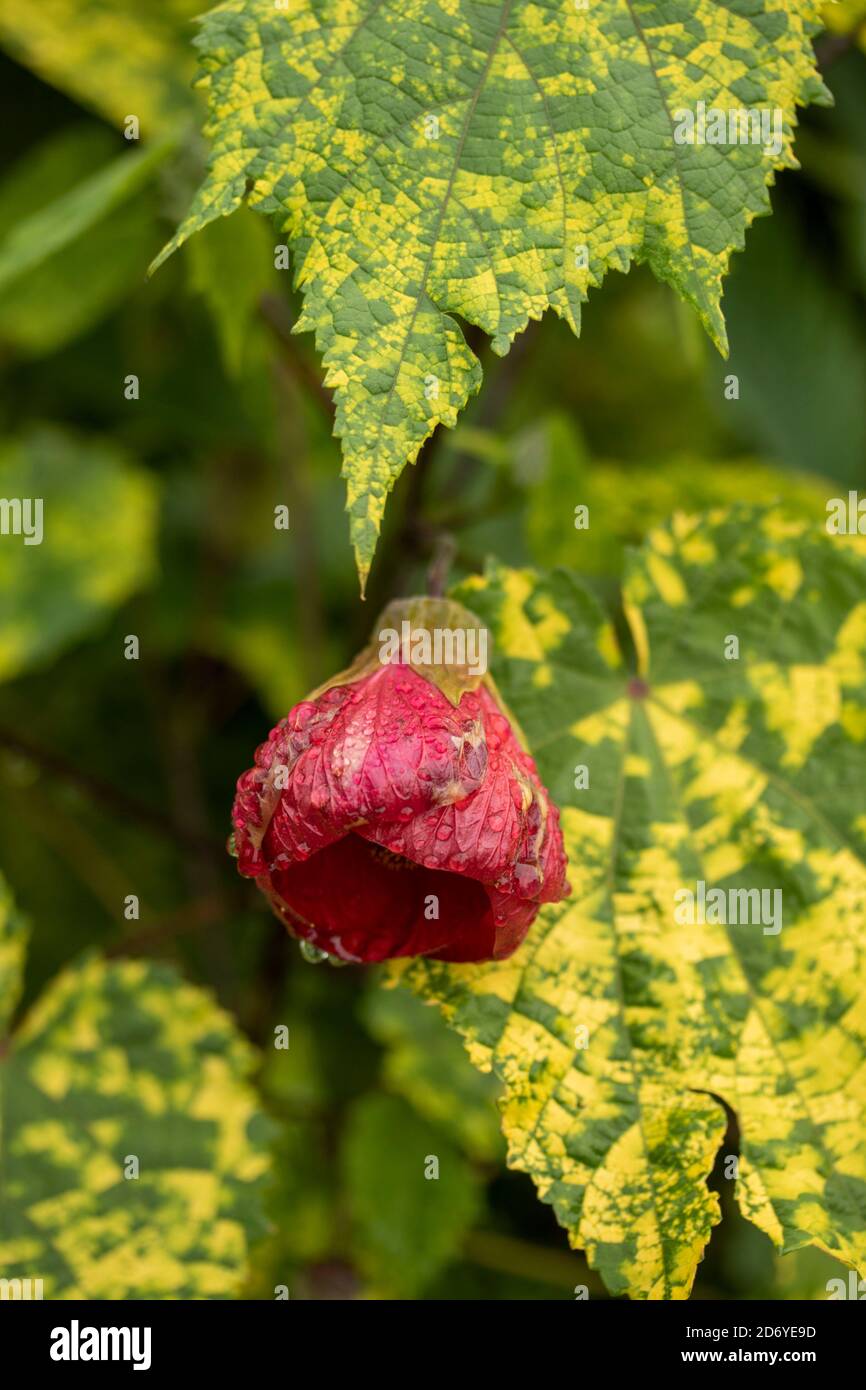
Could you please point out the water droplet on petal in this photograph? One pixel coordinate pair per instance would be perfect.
(527, 877)
(313, 955)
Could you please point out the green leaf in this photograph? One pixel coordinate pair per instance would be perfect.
(426, 1064)
(231, 267)
(97, 547)
(406, 1226)
(58, 285)
(118, 57)
(31, 242)
(744, 774)
(119, 1060)
(489, 159)
(301, 1203)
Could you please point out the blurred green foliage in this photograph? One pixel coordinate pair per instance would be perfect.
(50, 595)
(426, 1064)
(71, 239)
(117, 776)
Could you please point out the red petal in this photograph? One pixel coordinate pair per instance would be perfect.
(350, 900)
(504, 834)
(385, 747)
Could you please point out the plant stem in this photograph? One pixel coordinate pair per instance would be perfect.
(444, 551)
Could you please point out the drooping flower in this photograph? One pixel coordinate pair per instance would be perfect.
(395, 812)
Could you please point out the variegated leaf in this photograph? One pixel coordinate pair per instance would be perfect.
(489, 159)
(122, 1061)
(618, 1029)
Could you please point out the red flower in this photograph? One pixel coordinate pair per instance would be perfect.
(395, 813)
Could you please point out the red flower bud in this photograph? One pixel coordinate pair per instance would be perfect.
(395, 813)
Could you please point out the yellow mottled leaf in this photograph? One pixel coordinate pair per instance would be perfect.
(491, 159)
(714, 945)
(133, 1148)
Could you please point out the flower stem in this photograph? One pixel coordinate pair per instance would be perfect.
(444, 550)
